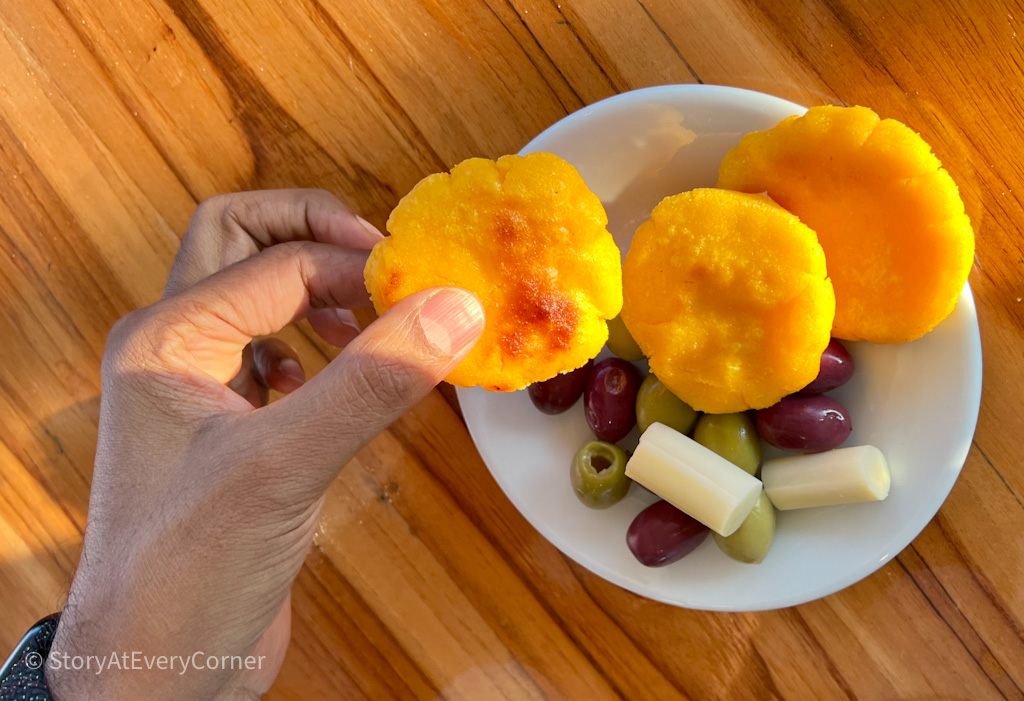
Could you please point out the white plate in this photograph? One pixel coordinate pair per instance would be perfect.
(918, 401)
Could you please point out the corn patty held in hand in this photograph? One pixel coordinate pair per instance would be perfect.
(527, 237)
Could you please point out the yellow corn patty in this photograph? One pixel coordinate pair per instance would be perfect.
(527, 237)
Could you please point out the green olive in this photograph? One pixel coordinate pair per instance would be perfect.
(621, 343)
(598, 474)
(751, 541)
(733, 436)
(655, 404)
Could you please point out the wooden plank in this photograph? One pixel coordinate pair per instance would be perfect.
(117, 118)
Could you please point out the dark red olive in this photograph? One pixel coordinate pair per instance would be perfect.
(560, 392)
(836, 369)
(805, 424)
(609, 401)
(662, 534)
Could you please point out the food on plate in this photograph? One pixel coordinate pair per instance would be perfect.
(656, 404)
(733, 436)
(805, 424)
(836, 369)
(693, 479)
(832, 225)
(727, 294)
(662, 534)
(561, 392)
(621, 343)
(609, 399)
(839, 476)
(527, 237)
(889, 217)
(752, 540)
(598, 474)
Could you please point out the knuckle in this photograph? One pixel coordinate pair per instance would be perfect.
(297, 253)
(123, 328)
(239, 212)
(288, 249)
(210, 208)
(123, 339)
(141, 337)
(318, 193)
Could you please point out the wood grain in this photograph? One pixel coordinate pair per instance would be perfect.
(116, 119)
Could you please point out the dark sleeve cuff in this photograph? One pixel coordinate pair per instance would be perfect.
(22, 678)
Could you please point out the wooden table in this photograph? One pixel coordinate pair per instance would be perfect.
(116, 118)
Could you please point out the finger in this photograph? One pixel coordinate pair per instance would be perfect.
(276, 365)
(382, 373)
(229, 228)
(208, 325)
(336, 326)
(244, 383)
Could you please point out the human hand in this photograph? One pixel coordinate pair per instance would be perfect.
(204, 502)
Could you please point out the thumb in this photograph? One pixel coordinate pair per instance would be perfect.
(379, 376)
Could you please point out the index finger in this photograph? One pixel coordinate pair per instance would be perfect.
(229, 228)
(207, 326)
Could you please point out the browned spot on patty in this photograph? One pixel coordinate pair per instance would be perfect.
(510, 227)
(391, 285)
(539, 310)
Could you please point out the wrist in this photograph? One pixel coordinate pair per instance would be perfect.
(70, 667)
(109, 653)
(81, 664)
